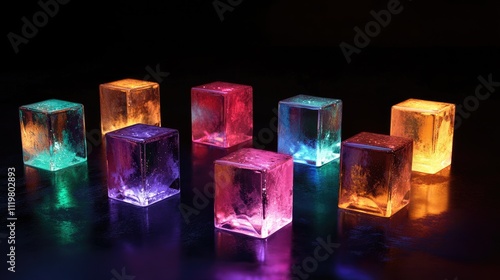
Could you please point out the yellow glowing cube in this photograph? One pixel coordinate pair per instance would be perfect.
(430, 124)
(129, 101)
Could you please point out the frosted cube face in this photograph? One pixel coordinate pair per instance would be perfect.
(253, 192)
(142, 164)
(430, 124)
(309, 129)
(375, 173)
(53, 134)
(222, 114)
(129, 101)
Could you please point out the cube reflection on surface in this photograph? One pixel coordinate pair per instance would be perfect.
(142, 164)
(222, 114)
(429, 194)
(430, 124)
(309, 129)
(129, 101)
(268, 258)
(253, 192)
(375, 173)
(53, 134)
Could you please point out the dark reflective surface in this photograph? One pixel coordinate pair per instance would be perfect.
(67, 228)
(242, 257)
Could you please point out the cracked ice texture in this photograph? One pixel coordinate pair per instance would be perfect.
(53, 134)
(309, 129)
(142, 164)
(222, 114)
(430, 124)
(253, 192)
(375, 173)
(129, 101)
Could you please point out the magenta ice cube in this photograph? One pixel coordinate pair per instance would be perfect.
(375, 173)
(253, 192)
(142, 164)
(222, 114)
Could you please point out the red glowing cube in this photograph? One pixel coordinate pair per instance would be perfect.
(222, 114)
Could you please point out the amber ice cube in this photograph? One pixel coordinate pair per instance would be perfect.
(375, 173)
(430, 124)
(129, 101)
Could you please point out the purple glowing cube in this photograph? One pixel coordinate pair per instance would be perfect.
(253, 192)
(309, 129)
(222, 114)
(53, 134)
(142, 164)
(375, 173)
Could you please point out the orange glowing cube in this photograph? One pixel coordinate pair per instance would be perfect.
(430, 124)
(127, 102)
(375, 173)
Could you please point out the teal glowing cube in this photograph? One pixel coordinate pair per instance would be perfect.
(53, 134)
(309, 129)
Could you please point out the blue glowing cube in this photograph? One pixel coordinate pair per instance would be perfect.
(309, 129)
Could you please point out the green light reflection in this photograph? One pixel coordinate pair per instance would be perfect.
(61, 210)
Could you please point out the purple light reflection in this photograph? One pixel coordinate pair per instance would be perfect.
(242, 257)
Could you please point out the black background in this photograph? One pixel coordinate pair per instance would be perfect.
(431, 50)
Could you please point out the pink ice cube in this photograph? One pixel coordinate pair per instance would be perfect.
(253, 192)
